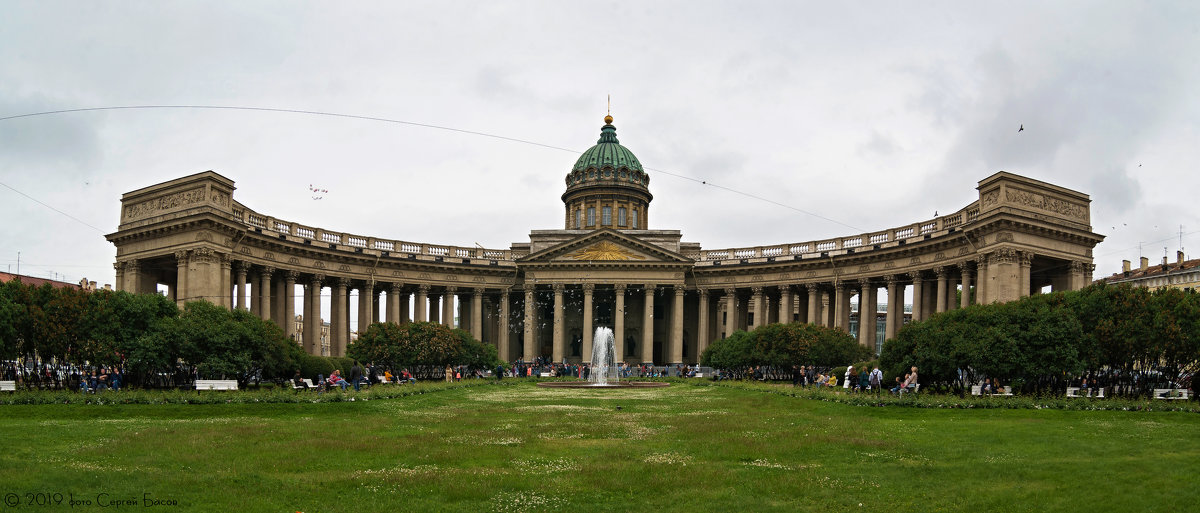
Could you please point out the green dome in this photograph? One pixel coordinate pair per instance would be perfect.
(607, 152)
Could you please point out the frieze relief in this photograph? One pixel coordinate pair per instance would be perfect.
(963, 251)
(169, 202)
(425, 276)
(914, 261)
(864, 268)
(1049, 204)
(269, 256)
(990, 199)
(318, 264)
(293, 260)
(1004, 237)
(810, 274)
(451, 277)
(397, 274)
(245, 251)
(479, 279)
(344, 268)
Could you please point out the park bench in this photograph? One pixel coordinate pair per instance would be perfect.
(1171, 393)
(8, 386)
(307, 382)
(1073, 392)
(216, 384)
(976, 390)
(1007, 392)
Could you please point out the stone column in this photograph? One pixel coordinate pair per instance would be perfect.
(226, 266)
(504, 344)
(264, 285)
(918, 282)
(895, 310)
(730, 311)
(477, 313)
(619, 322)
(759, 301)
(558, 344)
(181, 273)
(312, 315)
(1026, 262)
(648, 326)
(867, 308)
(339, 325)
(1078, 272)
(677, 327)
(239, 290)
(586, 351)
(422, 306)
(967, 274)
(703, 328)
(405, 301)
(289, 302)
(375, 293)
(255, 295)
(530, 322)
(814, 303)
(393, 304)
(1004, 277)
(951, 290)
(981, 281)
(366, 306)
(785, 304)
(435, 307)
(841, 306)
(942, 283)
(448, 306)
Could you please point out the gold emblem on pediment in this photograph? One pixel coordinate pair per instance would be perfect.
(604, 251)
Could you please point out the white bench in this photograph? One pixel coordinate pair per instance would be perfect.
(8, 386)
(216, 384)
(1171, 393)
(1073, 392)
(976, 389)
(307, 384)
(1007, 391)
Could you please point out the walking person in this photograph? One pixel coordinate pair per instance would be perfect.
(877, 380)
(846, 379)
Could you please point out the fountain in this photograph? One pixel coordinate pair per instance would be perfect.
(605, 370)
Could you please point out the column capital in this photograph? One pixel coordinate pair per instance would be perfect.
(243, 267)
(1079, 266)
(477, 290)
(1025, 258)
(451, 290)
(558, 287)
(941, 272)
(268, 270)
(424, 288)
(317, 279)
(731, 291)
(343, 282)
(291, 275)
(588, 288)
(619, 287)
(891, 280)
(181, 254)
(813, 288)
(650, 287)
(704, 293)
(756, 290)
(1003, 256)
(679, 289)
(395, 288)
(504, 294)
(529, 288)
(864, 283)
(784, 288)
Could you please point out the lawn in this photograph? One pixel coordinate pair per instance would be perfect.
(517, 447)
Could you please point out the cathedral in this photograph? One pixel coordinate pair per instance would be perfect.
(664, 298)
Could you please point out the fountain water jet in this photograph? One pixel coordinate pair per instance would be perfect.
(605, 370)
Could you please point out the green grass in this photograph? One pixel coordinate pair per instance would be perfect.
(523, 448)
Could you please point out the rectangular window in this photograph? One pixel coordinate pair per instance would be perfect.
(621, 216)
(607, 219)
(591, 216)
(578, 218)
(634, 221)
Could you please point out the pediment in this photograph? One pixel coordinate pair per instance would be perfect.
(605, 246)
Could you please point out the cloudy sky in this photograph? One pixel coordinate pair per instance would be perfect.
(854, 116)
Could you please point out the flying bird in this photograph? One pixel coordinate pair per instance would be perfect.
(1022, 129)
(317, 193)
